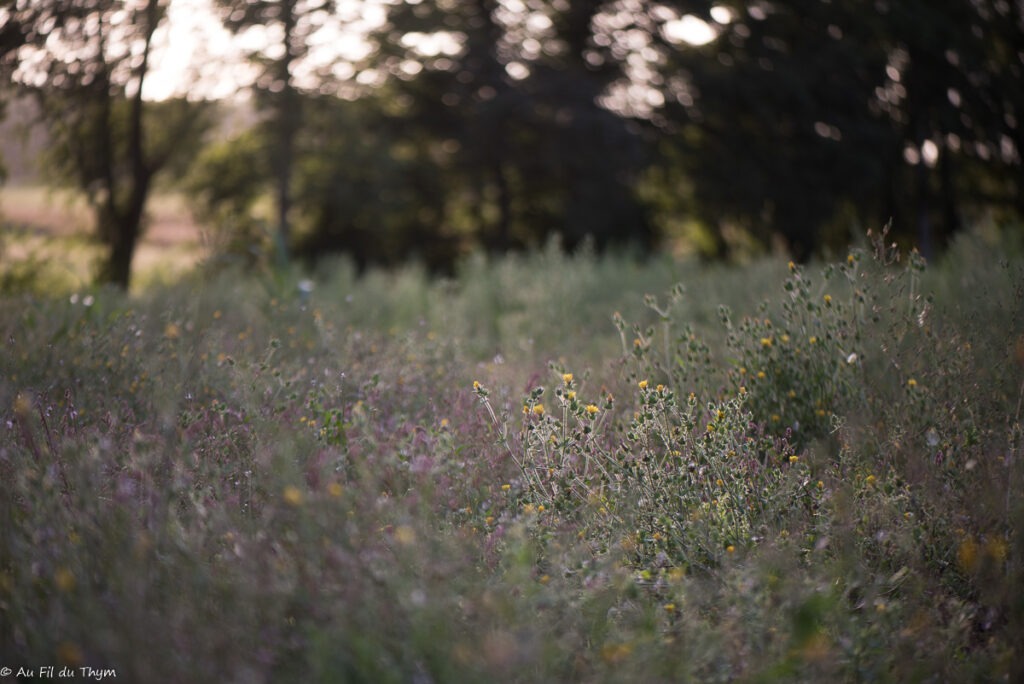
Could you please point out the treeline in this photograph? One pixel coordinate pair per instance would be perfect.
(497, 123)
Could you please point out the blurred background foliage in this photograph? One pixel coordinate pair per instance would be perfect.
(496, 124)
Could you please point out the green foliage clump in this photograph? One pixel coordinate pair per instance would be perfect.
(694, 484)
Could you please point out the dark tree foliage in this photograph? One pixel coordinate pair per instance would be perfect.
(363, 183)
(278, 96)
(803, 120)
(85, 62)
(370, 187)
(527, 149)
(500, 123)
(224, 185)
(805, 113)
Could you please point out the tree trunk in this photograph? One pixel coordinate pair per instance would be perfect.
(284, 160)
(950, 201)
(287, 124)
(925, 230)
(117, 269)
(122, 226)
(121, 219)
(503, 237)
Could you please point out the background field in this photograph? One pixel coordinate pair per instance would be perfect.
(47, 234)
(528, 472)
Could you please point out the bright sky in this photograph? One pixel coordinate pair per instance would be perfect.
(194, 54)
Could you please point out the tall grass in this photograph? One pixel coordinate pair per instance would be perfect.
(528, 472)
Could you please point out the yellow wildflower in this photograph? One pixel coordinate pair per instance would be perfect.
(22, 405)
(404, 535)
(642, 384)
(996, 549)
(538, 409)
(615, 653)
(567, 378)
(64, 579)
(967, 555)
(592, 409)
(69, 653)
(292, 495)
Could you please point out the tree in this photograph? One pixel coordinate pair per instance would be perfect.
(959, 71)
(805, 113)
(85, 63)
(595, 154)
(768, 119)
(224, 185)
(511, 96)
(444, 65)
(277, 91)
(370, 187)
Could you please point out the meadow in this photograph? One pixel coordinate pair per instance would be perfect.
(547, 468)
